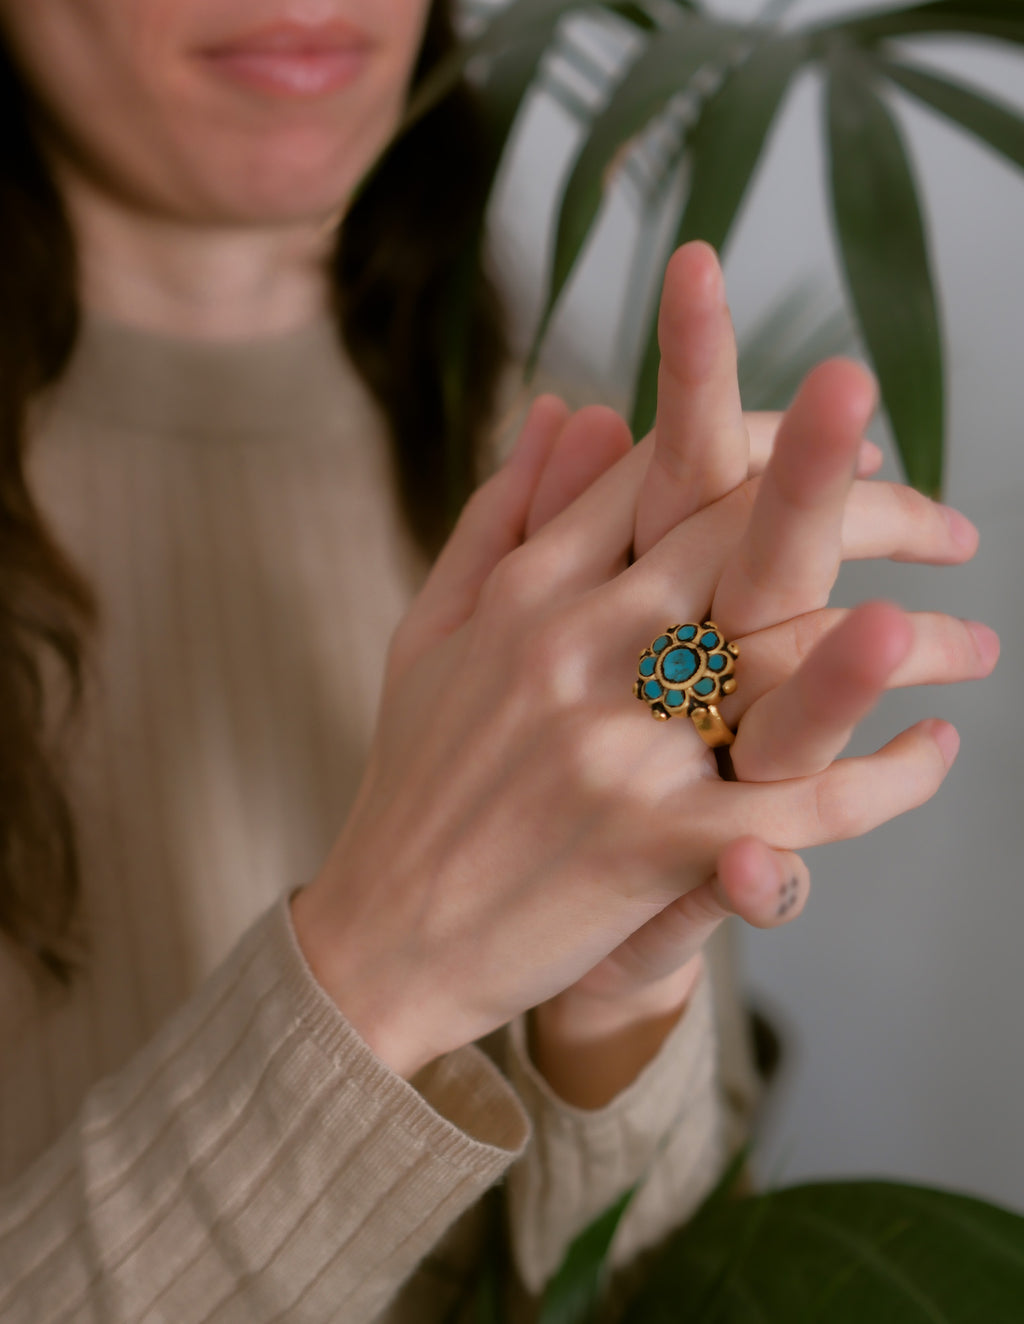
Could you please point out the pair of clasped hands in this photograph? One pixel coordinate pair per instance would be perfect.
(526, 836)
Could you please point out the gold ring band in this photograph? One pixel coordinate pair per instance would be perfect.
(711, 727)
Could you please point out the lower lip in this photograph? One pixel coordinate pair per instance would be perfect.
(302, 75)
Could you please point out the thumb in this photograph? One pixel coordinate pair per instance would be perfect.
(762, 886)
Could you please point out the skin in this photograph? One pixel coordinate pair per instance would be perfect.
(612, 895)
(203, 210)
(591, 1040)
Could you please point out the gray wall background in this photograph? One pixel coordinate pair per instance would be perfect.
(900, 992)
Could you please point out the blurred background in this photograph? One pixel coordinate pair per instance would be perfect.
(899, 995)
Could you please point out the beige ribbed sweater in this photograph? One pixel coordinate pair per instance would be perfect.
(196, 1133)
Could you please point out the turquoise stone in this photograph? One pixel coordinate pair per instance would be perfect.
(652, 690)
(661, 644)
(675, 698)
(687, 632)
(680, 665)
(709, 640)
(704, 687)
(647, 666)
(717, 662)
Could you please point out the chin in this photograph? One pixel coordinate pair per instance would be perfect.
(287, 177)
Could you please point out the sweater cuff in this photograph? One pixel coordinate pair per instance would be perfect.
(254, 1160)
(461, 1104)
(670, 1113)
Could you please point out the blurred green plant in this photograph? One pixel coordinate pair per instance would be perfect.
(683, 121)
(716, 88)
(799, 330)
(859, 1252)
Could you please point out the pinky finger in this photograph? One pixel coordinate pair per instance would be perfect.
(764, 887)
(853, 796)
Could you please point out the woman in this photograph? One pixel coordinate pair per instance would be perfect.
(260, 1099)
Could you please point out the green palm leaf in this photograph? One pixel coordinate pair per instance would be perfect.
(781, 349)
(531, 21)
(726, 144)
(835, 1253)
(572, 1296)
(667, 64)
(729, 137)
(1000, 126)
(1001, 19)
(885, 255)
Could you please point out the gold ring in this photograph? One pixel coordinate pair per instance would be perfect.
(684, 673)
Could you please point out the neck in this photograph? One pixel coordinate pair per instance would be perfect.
(181, 279)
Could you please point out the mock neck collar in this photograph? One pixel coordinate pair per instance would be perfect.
(124, 377)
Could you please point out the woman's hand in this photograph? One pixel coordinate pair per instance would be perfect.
(592, 1039)
(521, 817)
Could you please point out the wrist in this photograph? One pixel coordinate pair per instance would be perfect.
(590, 1047)
(583, 1012)
(393, 1026)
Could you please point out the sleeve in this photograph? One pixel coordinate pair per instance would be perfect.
(254, 1162)
(672, 1130)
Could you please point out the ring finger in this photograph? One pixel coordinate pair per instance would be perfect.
(798, 728)
(944, 650)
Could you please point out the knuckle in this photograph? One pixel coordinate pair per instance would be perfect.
(578, 750)
(745, 494)
(909, 502)
(836, 807)
(671, 467)
(513, 585)
(807, 632)
(555, 658)
(744, 498)
(585, 752)
(908, 508)
(598, 757)
(925, 778)
(956, 651)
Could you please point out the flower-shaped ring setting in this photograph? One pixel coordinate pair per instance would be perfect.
(684, 673)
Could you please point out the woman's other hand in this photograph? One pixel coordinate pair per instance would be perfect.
(591, 1040)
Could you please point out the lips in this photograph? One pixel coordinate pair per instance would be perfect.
(291, 59)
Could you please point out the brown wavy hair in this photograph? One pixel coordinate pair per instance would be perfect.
(417, 315)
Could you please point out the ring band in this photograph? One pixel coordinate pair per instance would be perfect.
(684, 673)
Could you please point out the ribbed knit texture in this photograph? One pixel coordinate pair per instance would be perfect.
(196, 1134)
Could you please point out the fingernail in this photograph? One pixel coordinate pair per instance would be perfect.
(986, 641)
(962, 531)
(948, 740)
